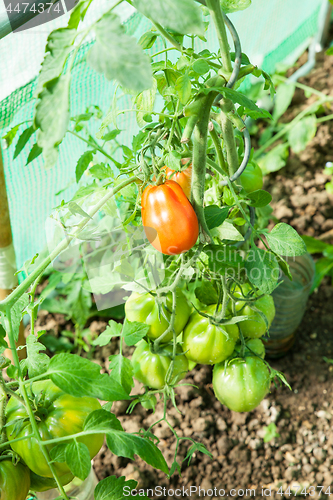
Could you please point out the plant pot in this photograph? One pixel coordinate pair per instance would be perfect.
(81, 490)
(290, 299)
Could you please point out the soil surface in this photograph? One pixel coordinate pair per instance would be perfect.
(300, 456)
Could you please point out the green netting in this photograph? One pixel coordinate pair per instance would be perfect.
(270, 32)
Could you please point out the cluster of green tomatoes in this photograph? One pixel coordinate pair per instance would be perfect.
(241, 377)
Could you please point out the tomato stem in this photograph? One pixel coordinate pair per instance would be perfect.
(218, 148)
(217, 16)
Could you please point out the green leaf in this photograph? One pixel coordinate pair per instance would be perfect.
(275, 159)
(78, 13)
(127, 445)
(234, 5)
(122, 371)
(113, 488)
(11, 134)
(113, 330)
(270, 432)
(302, 133)
(147, 40)
(323, 267)
(59, 44)
(34, 153)
(83, 163)
(101, 171)
(144, 103)
(200, 66)
(215, 216)
(259, 198)
(182, 16)
(183, 88)
(197, 447)
(206, 293)
(313, 245)
(283, 98)
(3, 343)
(35, 362)
(58, 453)
(239, 98)
(78, 459)
(134, 331)
(172, 160)
(221, 258)
(329, 52)
(101, 420)
(262, 269)
(110, 136)
(74, 208)
(52, 117)
(227, 231)
(118, 56)
(16, 314)
(81, 377)
(284, 240)
(23, 139)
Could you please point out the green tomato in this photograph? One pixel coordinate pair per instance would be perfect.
(255, 346)
(144, 309)
(251, 179)
(58, 415)
(256, 326)
(206, 343)
(243, 384)
(151, 368)
(14, 480)
(39, 483)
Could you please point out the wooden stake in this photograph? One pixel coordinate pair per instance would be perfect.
(5, 242)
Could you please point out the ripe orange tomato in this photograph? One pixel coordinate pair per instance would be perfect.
(169, 220)
(182, 178)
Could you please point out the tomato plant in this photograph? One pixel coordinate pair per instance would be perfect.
(145, 223)
(14, 480)
(169, 220)
(151, 368)
(144, 308)
(242, 383)
(57, 415)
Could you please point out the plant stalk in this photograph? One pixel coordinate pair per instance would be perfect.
(217, 16)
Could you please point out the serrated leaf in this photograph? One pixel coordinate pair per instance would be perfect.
(81, 377)
(16, 314)
(301, 134)
(34, 153)
(59, 44)
(221, 258)
(52, 117)
(147, 40)
(134, 331)
(113, 488)
(10, 135)
(36, 363)
(22, 141)
(275, 159)
(182, 16)
(113, 330)
(241, 99)
(110, 136)
(83, 163)
(122, 371)
(215, 216)
(78, 459)
(200, 66)
(127, 445)
(259, 198)
(172, 160)
(118, 56)
(262, 269)
(284, 240)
